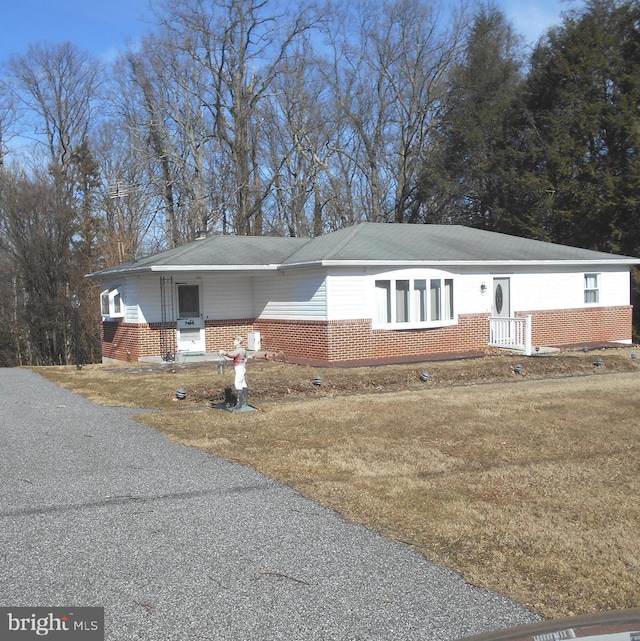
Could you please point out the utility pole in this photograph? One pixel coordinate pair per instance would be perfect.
(75, 304)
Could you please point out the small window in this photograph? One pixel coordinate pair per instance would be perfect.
(111, 303)
(591, 288)
(117, 304)
(104, 303)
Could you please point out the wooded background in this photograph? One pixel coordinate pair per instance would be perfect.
(267, 118)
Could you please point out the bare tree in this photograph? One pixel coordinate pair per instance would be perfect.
(241, 47)
(126, 206)
(143, 106)
(164, 107)
(38, 243)
(57, 89)
(386, 75)
(297, 130)
(9, 125)
(249, 124)
(57, 86)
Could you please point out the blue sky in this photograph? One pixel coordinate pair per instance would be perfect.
(531, 18)
(101, 27)
(105, 26)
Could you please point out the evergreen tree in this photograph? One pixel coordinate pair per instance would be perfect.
(584, 92)
(474, 174)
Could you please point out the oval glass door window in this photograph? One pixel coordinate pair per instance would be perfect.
(499, 299)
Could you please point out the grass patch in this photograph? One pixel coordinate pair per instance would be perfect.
(526, 484)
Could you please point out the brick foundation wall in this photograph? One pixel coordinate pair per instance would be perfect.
(129, 341)
(471, 334)
(296, 339)
(220, 334)
(353, 340)
(586, 325)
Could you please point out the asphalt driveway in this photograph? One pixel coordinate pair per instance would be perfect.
(99, 510)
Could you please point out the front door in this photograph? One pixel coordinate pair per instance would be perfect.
(190, 324)
(501, 298)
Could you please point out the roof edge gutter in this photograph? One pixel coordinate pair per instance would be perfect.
(158, 269)
(462, 263)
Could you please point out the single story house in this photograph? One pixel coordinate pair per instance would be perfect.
(370, 293)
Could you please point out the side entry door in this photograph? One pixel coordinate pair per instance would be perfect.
(190, 324)
(501, 298)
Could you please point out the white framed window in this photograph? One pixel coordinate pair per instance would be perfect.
(403, 303)
(111, 305)
(420, 303)
(592, 288)
(104, 303)
(188, 300)
(383, 302)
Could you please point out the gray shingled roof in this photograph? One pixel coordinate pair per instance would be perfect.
(365, 243)
(214, 252)
(372, 242)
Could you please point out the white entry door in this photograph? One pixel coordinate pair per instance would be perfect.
(501, 298)
(190, 324)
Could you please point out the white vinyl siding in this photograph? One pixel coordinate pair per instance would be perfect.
(131, 308)
(538, 288)
(222, 295)
(566, 290)
(347, 295)
(291, 295)
(350, 292)
(226, 296)
(149, 299)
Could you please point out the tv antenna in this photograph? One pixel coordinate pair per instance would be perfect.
(119, 189)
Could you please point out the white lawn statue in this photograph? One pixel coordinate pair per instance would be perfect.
(239, 356)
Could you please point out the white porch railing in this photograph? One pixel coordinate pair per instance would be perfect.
(511, 333)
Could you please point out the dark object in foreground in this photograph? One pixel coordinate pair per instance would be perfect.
(235, 402)
(618, 625)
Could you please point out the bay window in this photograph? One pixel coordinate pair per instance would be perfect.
(111, 303)
(414, 302)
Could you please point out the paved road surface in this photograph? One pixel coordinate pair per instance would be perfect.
(98, 510)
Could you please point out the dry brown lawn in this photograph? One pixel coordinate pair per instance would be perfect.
(526, 484)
